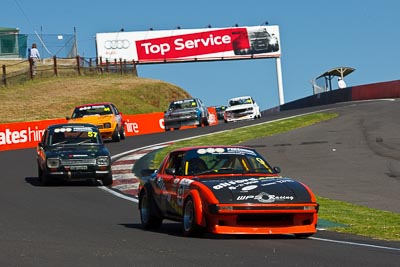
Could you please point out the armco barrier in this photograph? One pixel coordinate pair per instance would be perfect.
(28, 134)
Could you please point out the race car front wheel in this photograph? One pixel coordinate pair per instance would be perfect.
(42, 177)
(116, 135)
(189, 226)
(149, 221)
(107, 180)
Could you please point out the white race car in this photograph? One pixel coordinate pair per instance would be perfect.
(242, 108)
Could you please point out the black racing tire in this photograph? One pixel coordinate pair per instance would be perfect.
(116, 136)
(43, 178)
(146, 208)
(206, 122)
(305, 235)
(200, 122)
(108, 180)
(189, 226)
(122, 133)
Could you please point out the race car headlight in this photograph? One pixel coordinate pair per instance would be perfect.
(103, 161)
(214, 209)
(107, 125)
(53, 162)
(311, 207)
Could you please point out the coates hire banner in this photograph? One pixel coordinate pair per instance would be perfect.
(20, 135)
(189, 44)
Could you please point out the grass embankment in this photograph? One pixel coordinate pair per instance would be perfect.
(358, 219)
(56, 97)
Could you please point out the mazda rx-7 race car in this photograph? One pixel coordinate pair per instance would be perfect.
(226, 190)
(104, 115)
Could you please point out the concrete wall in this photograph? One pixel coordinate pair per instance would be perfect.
(389, 89)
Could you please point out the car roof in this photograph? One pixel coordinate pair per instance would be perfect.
(240, 97)
(183, 99)
(76, 125)
(94, 104)
(189, 148)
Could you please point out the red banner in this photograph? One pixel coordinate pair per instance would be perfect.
(23, 134)
(192, 45)
(28, 134)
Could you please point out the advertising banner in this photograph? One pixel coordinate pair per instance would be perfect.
(23, 134)
(179, 45)
(28, 134)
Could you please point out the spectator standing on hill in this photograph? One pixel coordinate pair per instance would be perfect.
(34, 56)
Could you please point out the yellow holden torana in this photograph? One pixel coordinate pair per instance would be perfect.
(104, 115)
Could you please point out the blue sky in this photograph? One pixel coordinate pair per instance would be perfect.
(315, 36)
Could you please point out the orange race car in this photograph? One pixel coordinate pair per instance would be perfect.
(225, 190)
(104, 115)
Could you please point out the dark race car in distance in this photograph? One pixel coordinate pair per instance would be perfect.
(226, 190)
(73, 152)
(186, 112)
(220, 112)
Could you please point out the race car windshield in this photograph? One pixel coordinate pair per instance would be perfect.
(225, 161)
(183, 104)
(91, 110)
(240, 101)
(74, 138)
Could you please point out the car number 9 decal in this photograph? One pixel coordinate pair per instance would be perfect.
(182, 189)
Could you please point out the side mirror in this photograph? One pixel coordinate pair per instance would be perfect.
(277, 169)
(147, 172)
(170, 171)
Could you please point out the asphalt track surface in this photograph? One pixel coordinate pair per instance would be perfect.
(354, 158)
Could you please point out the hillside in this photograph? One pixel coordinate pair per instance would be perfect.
(56, 97)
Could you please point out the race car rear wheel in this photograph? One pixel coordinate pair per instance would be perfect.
(189, 226)
(149, 221)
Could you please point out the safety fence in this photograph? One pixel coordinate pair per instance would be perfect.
(19, 71)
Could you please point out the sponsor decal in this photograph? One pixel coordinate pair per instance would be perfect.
(211, 150)
(249, 188)
(278, 182)
(234, 184)
(264, 197)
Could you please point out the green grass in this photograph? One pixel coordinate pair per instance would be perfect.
(248, 133)
(55, 97)
(359, 220)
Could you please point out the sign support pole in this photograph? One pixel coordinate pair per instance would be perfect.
(280, 83)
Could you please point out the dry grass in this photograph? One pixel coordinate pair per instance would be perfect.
(55, 97)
